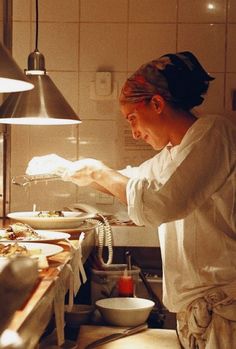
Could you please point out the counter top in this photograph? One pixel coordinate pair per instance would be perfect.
(48, 296)
(133, 235)
(148, 339)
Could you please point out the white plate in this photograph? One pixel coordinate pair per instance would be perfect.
(44, 235)
(70, 219)
(45, 249)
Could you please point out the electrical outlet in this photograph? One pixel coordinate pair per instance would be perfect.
(103, 83)
(103, 88)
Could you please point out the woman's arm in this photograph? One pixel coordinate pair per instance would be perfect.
(94, 173)
(98, 187)
(82, 172)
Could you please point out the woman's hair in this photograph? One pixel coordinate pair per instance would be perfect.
(179, 78)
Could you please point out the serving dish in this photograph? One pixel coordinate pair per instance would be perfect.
(38, 249)
(43, 236)
(70, 219)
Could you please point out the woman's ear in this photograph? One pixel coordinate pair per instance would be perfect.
(159, 103)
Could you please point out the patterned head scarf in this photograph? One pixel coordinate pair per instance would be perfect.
(179, 78)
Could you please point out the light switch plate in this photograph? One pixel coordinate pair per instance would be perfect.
(103, 83)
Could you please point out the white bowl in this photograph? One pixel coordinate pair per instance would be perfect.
(125, 311)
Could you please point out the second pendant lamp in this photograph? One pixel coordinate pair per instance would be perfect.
(43, 105)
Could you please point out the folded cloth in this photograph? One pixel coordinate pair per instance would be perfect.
(210, 321)
(77, 265)
(59, 309)
(48, 164)
(62, 284)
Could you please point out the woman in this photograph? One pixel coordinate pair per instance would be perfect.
(187, 190)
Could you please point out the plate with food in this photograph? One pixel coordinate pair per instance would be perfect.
(24, 232)
(51, 219)
(13, 249)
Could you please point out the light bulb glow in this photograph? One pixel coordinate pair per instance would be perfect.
(12, 85)
(210, 6)
(10, 338)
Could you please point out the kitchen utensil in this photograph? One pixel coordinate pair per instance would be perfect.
(25, 180)
(125, 311)
(126, 285)
(128, 260)
(157, 316)
(115, 336)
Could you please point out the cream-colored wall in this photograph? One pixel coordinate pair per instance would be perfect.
(81, 37)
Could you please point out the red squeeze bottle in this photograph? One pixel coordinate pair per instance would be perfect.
(126, 285)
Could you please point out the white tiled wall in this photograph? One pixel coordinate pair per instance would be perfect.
(81, 37)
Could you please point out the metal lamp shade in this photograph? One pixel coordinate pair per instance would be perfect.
(12, 78)
(44, 105)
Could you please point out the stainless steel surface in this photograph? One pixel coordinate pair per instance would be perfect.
(5, 134)
(36, 61)
(12, 78)
(6, 11)
(4, 169)
(45, 105)
(44, 101)
(25, 180)
(116, 336)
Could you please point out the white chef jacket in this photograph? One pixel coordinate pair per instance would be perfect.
(189, 192)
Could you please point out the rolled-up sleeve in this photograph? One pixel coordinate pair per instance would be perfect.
(206, 167)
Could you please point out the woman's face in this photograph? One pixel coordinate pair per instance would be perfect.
(146, 123)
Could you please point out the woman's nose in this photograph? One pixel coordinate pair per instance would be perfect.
(136, 134)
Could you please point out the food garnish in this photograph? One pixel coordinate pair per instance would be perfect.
(20, 231)
(46, 214)
(13, 250)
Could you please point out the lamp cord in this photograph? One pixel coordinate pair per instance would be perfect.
(37, 20)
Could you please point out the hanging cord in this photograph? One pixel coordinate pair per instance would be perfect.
(37, 24)
(104, 236)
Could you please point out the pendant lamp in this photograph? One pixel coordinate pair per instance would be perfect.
(12, 78)
(44, 105)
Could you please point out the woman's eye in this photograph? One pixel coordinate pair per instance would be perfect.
(131, 118)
